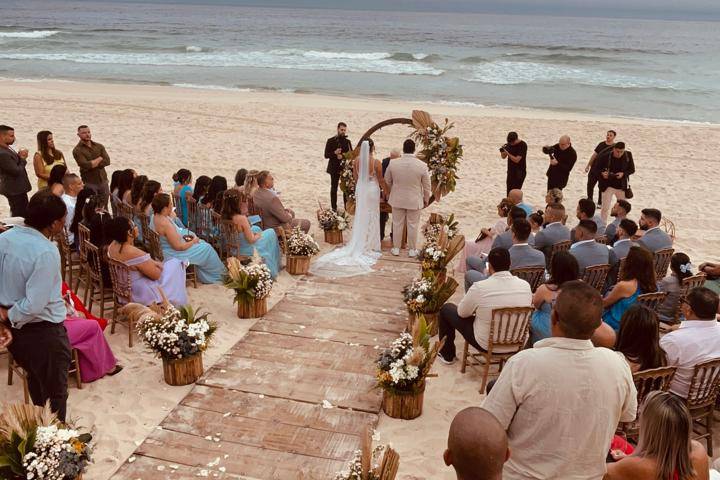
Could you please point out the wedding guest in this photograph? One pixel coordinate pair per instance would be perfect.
(72, 185)
(536, 222)
(566, 366)
(619, 212)
(591, 168)
(124, 186)
(637, 278)
(202, 183)
(46, 157)
(251, 238)
(183, 190)
(586, 211)
(472, 316)
(586, 250)
(136, 190)
(615, 166)
(625, 232)
(477, 445)
(384, 216)
(553, 196)
(32, 305)
(251, 183)
(665, 448)
(146, 275)
(274, 214)
(240, 179)
(515, 150)
(218, 185)
(92, 158)
(680, 269)
(564, 269)
(14, 182)
(504, 240)
(483, 243)
(82, 199)
(516, 196)
(183, 244)
(639, 339)
(654, 238)
(554, 231)
(55, 185)
(150, 190)
(562, 160)
(712, 276)
(335, 148)
(696, 341)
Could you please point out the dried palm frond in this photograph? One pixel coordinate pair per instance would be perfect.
(454, 246)
(23, 418)
(421, 120)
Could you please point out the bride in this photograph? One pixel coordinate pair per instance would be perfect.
(363, 249)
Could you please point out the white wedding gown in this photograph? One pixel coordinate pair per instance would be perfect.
(363, 249)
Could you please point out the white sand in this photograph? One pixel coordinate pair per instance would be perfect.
(157, 130)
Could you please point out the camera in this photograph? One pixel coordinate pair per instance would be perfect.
(504, 148)
(549, 151)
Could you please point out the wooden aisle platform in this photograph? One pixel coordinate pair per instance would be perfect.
(261, 410)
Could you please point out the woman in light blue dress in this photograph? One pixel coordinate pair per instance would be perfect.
(564, 268)
(637, 277)
(183, 190)
(250, 238)
(183, 244)
(146, 275)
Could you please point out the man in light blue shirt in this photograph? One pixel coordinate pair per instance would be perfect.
(31, 302)
(516, 196)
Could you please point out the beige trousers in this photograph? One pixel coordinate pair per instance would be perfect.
(607, 199)
(401, 216)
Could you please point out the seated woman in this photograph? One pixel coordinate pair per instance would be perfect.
(218, 184)
(55, 184)
(536, 221)
(637, 278)
(124, 185)
(564, 268)
(82, 199)
(483, 242)
(183, 244)
(251, 237)
(146, 274)
(85, 333)
(184, 191)
(665, 447)
(680, 269)
(639, 339)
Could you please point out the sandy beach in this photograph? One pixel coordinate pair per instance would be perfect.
(157, 130)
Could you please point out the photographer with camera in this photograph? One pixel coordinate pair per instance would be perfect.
(562, 160)
(515, 150)
(615, 166)
(591, 168)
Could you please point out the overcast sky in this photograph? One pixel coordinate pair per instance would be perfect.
(666, 9)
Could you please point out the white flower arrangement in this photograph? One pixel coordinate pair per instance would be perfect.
(177, 333)
(301, 244)
(332, 220)
(250, 282)
(354, 469)
(431, 256)
(57, 454)
(417, 294)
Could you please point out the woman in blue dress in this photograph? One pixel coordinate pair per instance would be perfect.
(250, 238)
(564, 268)
(182, 244)
(184, 192)
(636, 278)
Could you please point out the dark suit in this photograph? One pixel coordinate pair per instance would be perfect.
(14, 182)
(559, 174)
(384, 215)
(334, 165)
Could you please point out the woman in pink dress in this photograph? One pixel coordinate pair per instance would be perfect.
(484, 241)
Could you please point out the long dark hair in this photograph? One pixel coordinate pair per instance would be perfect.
(125, 182)
(150, 189)
(202, 183)
(678, 263)
(82, 198)
(240, 177)
(49, 154)
(639, 266)
(639, 337)
(137, 188)
(114, 178)
(117, 229)
(56, 174)
(230, 204)
(564, 268)
(218, 184)
(182, 176)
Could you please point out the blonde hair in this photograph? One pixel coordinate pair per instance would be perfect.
(665, 432)
(555, 195)
(251, 184)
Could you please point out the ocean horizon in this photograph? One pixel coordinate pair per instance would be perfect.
(634, 68)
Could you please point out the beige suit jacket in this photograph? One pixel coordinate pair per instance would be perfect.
(273, 211)
(409, 183)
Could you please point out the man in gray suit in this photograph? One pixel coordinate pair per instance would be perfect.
(504, 240)
(625, 231)
(586, 211)
(655, 238)
(586, 250)
(620, 212)
(554, 231)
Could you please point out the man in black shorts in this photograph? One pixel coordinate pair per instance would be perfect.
(515, 150)
(591, 168)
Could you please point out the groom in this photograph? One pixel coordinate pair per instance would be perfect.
(409, 182)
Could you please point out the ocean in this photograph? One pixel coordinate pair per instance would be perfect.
(608, 66)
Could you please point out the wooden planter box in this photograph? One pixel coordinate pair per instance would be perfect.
(333, 237)
(298, 265)
(406, 407)
(253, 309)
(431, 318)
(183, 371)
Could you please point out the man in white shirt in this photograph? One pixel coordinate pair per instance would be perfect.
(561, 401)
(696, 341)
(72, 184)
(472, 316)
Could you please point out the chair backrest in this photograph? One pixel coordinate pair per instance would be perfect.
(64, 244)
(533, 275)
(204, 222)
(192, 213)
(229, 239)
(144, 223)
(125, 210)
(94, 263)
(705, 384)
(153, 242)
(647, 381)
(563, 246)
(652, 300)
(83, 238)
(602, 239)
(121, 281)
(509, 327)
(282, 238)
(114, 201)
(661, 259)
(596, 275)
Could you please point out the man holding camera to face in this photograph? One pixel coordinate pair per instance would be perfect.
(515, 150)
(562, 160)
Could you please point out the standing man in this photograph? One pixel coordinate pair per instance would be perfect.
(591, 168)
(409, 183)
(335, 148)
(515, 150)
(92, 158)
(615, 166)
(31, 304)
(14, 182)
(394, 153)
(562, 161)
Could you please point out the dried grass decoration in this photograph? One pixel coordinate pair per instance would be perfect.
(379, 463)
(402, 370)
(35, 445)
(442, 244)
(425, 296)
(251, 283)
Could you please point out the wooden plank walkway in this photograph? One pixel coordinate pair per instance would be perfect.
(258, 412)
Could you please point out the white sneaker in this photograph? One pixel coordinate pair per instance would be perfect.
(395, 251)
(446, 362)
(412, 253)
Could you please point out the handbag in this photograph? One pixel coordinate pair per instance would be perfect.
(628, 192)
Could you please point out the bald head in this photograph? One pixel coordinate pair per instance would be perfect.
(564, 142)
(477, 445)
(516, 196)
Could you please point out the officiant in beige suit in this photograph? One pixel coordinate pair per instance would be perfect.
(408, 179)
